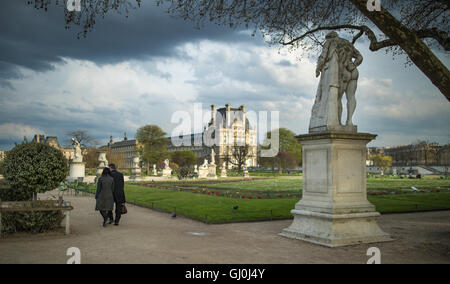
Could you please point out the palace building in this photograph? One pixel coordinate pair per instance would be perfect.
(68, 152)
(233, 138)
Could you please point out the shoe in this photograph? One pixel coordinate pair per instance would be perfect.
(116, 224)
(104, 223)
(110, 221)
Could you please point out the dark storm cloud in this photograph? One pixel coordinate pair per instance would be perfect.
(37, 39)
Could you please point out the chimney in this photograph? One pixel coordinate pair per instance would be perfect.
(228, 115)
(244, 117)
(213, 115)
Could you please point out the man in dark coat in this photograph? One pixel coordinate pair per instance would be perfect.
(119, 193)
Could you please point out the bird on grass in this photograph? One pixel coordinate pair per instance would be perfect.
(236, 207)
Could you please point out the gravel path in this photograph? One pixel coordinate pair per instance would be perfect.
(146, 236)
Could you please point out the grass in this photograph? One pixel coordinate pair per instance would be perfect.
(179, 197)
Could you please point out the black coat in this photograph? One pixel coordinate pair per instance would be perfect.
(105, 194)
(119, 184)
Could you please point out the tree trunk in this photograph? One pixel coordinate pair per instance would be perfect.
(417, 50)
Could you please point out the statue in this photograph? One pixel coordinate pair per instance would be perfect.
(213, 157)
(77, 167)
(205, 164)
(167, 171)
(77, 157)
(337, 66)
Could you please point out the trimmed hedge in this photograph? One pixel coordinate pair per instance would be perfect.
(34, 168)
(31, 168)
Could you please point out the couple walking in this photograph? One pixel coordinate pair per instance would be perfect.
(110, 190)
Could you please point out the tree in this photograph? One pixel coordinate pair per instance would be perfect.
(153, 143)
(290, 151)
(383, 162)
(32, 168)
(239, 156)
(83, 137)
(184, 161)
(184, 158)
(421, 24)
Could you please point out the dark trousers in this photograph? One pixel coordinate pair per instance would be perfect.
(106, 214)
(118, 212)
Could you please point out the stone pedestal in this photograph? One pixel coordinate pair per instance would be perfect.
(77, 170)
(212, 171)
(223, 173)
(167, 172)
(334, 210)
(203, 172)
(136, 174)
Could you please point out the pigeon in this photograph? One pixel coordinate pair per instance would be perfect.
(414, 189)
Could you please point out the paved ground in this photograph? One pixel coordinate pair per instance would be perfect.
(146, 236)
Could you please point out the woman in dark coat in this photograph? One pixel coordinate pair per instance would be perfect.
(105, 195)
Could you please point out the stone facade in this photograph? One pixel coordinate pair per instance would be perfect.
(229, 127)
(67, 151)
(123, 152)
(416, 154)
(2, 155)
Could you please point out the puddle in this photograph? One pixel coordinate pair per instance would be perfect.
(198, 234)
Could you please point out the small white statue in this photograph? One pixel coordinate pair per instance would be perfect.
(166, 164)
(78, 156)
(205, 164)
(213, 157)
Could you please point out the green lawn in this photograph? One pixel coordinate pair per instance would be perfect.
(171, 196)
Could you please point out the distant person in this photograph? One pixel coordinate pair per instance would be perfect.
(119, 193)
(105, 196)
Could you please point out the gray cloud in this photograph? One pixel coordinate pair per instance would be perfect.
(36, 39)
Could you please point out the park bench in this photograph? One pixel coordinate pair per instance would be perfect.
(38, 205)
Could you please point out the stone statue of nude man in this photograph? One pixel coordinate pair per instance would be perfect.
(337, 64)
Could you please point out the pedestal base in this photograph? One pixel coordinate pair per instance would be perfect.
(136, 174)
(334, 230)
(77, 171)
(334, 210)
(223, 173)
(167, 173)
(212, 172)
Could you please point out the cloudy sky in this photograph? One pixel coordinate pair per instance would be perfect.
(140, 70)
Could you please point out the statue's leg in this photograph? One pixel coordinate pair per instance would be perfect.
(351, 100)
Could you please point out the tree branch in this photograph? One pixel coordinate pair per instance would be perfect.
(440, 36)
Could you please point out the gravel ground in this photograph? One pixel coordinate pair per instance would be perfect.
(146, 236)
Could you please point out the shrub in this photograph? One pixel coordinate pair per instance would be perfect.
(31, 221)
(31, 168)
(1, 167)
(34, 168)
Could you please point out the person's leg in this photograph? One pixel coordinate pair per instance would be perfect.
(118, 213)
(110, 217)
(105, 217)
